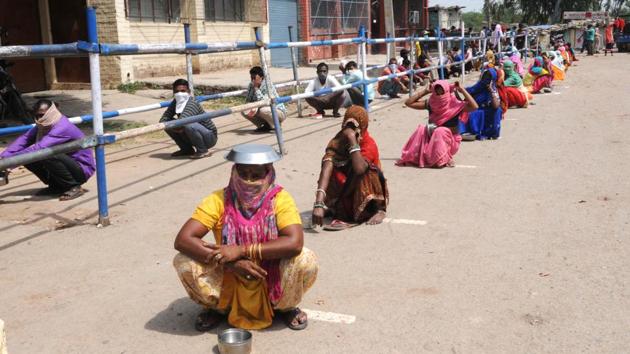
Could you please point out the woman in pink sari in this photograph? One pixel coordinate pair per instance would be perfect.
(435, 144)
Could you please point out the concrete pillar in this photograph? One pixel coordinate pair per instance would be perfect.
(389, 23)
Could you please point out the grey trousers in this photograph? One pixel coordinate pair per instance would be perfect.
(192, 136)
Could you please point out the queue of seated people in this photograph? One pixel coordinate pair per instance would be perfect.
(255, 266)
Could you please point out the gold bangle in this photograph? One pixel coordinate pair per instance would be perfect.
(249, 251)
(260, 252)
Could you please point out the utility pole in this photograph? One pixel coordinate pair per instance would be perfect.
(389, 24)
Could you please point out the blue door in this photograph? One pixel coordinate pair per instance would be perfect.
(282, 14)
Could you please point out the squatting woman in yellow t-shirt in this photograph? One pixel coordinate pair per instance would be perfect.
(257, 264)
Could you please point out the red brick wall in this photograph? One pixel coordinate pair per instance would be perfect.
(314, 54)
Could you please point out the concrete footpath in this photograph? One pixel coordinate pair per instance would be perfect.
(521, 248)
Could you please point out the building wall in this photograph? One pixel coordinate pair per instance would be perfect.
(108, 15)
(306, 33)
(114, 27)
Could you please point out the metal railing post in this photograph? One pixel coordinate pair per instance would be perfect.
(412, 61)
(363, 35)
(440, 53)
(498, 48)
(463, 47)
(295, 72)
(526, 48)
(97, 123)
(388, 49)
(270, 89)
(189, 66)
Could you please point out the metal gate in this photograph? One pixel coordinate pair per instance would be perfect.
(282, 14)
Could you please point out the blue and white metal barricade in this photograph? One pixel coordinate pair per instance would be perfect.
(93, 50)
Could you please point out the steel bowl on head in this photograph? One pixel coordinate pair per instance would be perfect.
(235, 341)
(252, 154)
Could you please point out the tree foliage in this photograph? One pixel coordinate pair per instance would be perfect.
(473, 19)
(544, 11)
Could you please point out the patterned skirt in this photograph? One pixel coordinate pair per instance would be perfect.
(203, 282)
(359, 197)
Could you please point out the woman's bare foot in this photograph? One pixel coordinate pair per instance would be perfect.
(450, 163)
(377, 218)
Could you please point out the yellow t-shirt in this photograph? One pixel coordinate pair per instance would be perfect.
(211, 209)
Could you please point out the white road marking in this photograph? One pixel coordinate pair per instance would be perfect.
(557, 93)
(405, 221)
(329, 317)
(465, 166)
(511, 119)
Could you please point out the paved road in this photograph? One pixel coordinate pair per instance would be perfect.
(525, 246)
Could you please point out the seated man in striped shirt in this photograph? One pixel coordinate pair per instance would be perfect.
(195, 139)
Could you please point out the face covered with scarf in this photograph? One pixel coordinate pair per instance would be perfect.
(480, 91)
(537, 66)
(444, 105)
(45, 117)
(356, 118)
(249, 183)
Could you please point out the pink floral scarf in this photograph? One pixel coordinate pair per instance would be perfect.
(249, 218)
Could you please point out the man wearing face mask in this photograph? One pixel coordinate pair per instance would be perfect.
(392, 87)
(352, 75)
(194, 140)
(331, 101)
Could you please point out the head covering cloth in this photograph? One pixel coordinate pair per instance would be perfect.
(445, 106)
(45, 123)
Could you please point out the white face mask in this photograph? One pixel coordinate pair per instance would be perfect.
(181, 98)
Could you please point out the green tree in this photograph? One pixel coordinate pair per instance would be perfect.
(544, 11)
(473, 19)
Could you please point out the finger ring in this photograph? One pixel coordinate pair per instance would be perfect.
(218, 256)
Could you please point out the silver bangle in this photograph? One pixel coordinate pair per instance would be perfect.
(321, 190)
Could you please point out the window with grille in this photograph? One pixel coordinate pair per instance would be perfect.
(224, 10)
(153, 10)
(339, 16)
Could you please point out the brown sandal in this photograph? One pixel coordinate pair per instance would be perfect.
(208, 320)
(72, 193)
(291, 315)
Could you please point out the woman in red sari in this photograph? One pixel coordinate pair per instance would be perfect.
(512, 84)
(351, 186)
(434, 145)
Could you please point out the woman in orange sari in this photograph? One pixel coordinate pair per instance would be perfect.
(351, 186)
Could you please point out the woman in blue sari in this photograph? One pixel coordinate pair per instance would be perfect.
(485, 122)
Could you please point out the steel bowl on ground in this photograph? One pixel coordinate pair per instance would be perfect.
(235, 341)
